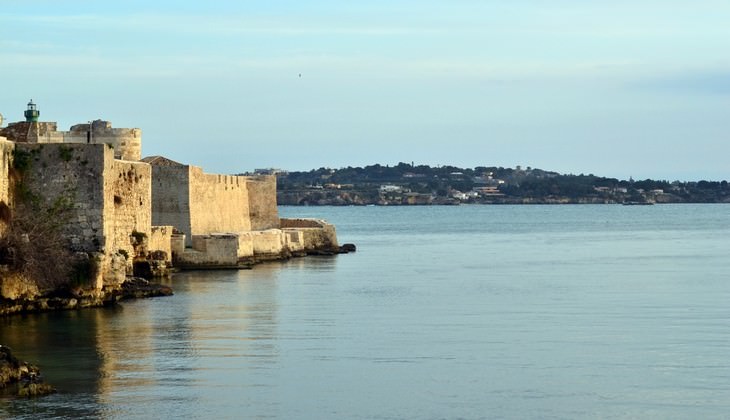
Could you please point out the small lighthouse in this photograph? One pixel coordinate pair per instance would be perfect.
(32, 113)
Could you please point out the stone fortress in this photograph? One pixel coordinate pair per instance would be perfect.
(127, 210)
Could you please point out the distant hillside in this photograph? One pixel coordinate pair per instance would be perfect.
(405, 184)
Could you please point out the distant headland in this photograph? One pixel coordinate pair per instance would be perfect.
(408, 184)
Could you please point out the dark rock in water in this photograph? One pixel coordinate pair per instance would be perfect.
(323, 252)
(135, 287)
(344, 249)
(348, 248)
(24, 376)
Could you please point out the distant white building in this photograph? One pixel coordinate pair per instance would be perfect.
(391, 188)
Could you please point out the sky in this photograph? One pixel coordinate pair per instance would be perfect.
(619, 88)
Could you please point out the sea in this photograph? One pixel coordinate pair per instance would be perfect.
(444, 312)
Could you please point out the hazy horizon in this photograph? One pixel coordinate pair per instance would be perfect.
(618, 89)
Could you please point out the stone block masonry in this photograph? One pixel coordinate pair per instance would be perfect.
(316, 233)
(109, 199)
(58, 172)
(263, 211)
(127, 204)
(126, 142)
(122, 209)
(161, 239)
(6, 153)
(218, 203)
(197, 203)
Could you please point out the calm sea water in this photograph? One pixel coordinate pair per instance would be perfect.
(600, 311)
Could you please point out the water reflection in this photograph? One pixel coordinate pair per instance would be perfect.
(505, 316)
(112, 357)
(65, 346)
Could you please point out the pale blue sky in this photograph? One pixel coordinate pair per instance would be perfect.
(617, 88)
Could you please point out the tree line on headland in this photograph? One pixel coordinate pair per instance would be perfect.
(406, 184)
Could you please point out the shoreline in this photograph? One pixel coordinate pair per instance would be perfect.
(131, 288)
(61, 300)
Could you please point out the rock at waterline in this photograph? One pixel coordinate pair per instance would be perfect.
(26, 377)
(344, 249)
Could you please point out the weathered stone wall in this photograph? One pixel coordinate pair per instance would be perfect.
(317, 234)
(171, 198)
(110, 199)
(197, 203)
(262, 202)
(161, 240)
(245, 247)
(294, 240)
(212, 251)
(127, 198)
(218, 203)
(16, 131)
(6, 154)
(32, 132)
(177, 244)
(126, 142)
(268, 244)
(58, 172)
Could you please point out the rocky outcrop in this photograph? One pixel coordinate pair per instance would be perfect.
(20, 378)
(344, 249)
(17, 286)
(66, 299)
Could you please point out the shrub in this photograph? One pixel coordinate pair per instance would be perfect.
(34, 245)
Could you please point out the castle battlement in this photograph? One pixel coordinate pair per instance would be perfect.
(126, 209)
(126, 142)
